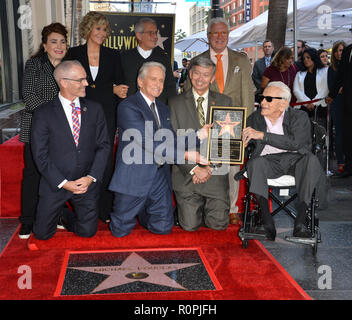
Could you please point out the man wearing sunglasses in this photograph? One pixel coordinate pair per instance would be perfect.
(233, 78)
(281, 138)
(146, 31)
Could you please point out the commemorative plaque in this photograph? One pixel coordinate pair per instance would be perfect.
(225, 137)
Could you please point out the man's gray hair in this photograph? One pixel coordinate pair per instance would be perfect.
(139, 26)
(286, 92)
(202, 61)
(63, 69)
(144, 68)
(217, 20)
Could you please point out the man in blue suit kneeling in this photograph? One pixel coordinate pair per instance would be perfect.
(146, 148)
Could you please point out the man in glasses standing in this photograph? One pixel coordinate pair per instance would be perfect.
(281, 137)
(232, 78)
(70, 146)
(147, 50)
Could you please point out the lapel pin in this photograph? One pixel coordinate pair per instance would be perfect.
(93, 86)
(84, 109)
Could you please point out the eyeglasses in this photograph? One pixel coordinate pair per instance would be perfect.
(151, 33)
(76, 80)
(219, 33)
(269, 98)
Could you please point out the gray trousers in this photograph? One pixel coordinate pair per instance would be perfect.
(195, 210)
(304, 167)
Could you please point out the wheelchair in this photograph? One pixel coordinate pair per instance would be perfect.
(250, 229)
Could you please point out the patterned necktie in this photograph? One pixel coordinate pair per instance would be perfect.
(75, 123)
(219, 75)
(152, 107)
(200, 111)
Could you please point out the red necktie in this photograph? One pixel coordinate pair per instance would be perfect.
(75, 123)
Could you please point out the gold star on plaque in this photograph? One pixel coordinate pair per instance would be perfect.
(121, 31)
(132, 28)
(227, 125)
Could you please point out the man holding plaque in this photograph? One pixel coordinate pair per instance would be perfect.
(233, 78)
(202, 196)
(282, 142)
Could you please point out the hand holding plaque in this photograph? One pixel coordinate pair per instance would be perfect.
(225, 143)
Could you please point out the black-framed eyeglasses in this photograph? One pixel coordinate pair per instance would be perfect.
(269, 98)
(76, 80)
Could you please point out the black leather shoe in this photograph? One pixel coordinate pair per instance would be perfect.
(270, 232)
(63, 221)
(301, 231)
(341, 175)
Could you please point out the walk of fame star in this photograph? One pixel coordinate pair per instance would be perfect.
(227, 125)
(161, 40)
(133, 269)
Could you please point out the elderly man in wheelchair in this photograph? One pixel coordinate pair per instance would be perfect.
(281, 143)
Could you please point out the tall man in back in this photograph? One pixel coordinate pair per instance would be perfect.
(147, 50)
(233, 78)
(70, 146)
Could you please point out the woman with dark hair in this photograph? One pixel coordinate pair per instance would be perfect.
(312, 84)
(105, 85)
(39, 87)
(336, 105)
(324, 57)
(281, 69)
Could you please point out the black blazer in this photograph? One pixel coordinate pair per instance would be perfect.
(54, 150)
(344, 78)
(132, 61)
(101, 90)
(296, 137)
(39, 87)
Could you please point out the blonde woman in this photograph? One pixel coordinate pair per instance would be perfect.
(105, 85)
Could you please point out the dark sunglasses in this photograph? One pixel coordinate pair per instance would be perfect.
(268, 98)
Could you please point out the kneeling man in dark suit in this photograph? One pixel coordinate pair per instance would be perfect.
(202, 197)
(147, 145)
(70, 146)
(282, 145)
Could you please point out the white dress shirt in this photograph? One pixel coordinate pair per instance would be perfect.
(66, 104)
(149, 102)
(144, 53)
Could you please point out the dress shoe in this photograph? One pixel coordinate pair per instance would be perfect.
(343, 174)
(25, 231)
(269, 232)
(63, 221)
(301, 231)
(235, 218)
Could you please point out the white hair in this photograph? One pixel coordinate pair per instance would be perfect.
(144, 69)
(286, 91)
(217, 20)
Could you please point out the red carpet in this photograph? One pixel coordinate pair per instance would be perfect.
(249, 274)
(11, 172)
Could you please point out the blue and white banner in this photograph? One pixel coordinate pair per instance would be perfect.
(248, 10)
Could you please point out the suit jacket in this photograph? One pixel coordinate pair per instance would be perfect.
(54, 149)
(139, 155)
(258, 70)
(184, 116)
(239, 84)
(132, 61)
(344, 79)
(39, 87)
(101, 89)
(296, 137)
